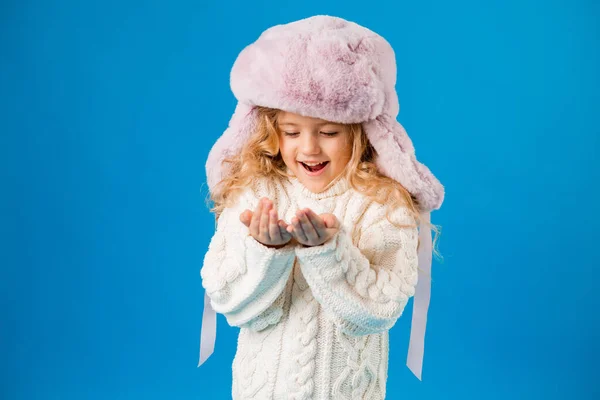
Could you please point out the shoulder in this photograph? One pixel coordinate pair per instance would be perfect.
(386, 214)
(385, 228)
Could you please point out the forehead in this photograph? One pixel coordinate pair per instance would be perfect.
(288, 118)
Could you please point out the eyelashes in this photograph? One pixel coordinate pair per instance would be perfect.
(294, 134)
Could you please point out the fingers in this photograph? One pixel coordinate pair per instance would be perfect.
(274, 230)
(306, 227)
(331, 221)
(255, 222)
(283, 229)
(264, 221)
(317, 222)
(265, 226)
(246, 217)
(296, 229)
(309, 230)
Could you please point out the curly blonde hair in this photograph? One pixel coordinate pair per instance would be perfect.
(260, 157)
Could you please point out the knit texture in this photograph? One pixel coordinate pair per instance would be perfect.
(313, 321)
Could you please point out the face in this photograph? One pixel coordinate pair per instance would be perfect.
(306, 140)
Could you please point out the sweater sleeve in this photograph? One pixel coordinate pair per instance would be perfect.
(244, 279)
(364, 289)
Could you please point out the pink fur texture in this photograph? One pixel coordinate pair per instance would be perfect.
(329, 68)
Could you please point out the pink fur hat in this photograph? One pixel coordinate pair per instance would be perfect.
(328, 68)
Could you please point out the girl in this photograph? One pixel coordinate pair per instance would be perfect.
(323, 216)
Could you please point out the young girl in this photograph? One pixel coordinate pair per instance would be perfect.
(323, 217)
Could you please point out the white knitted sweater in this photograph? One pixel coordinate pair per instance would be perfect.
(313, 321)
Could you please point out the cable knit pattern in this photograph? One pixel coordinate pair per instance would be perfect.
(359, 371)
(301, 383)
(253, 376)
(270, 316)
(365, 296)
(324, 308)
(242, 277)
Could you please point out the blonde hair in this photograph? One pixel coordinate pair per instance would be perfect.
(260, 157)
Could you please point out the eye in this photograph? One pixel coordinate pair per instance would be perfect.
(291, 133)
(329, 133)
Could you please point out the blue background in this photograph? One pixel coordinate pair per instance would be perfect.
(109, 109)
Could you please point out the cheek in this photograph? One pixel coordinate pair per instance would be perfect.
(286, 151)
(282, 146)
(340, 150)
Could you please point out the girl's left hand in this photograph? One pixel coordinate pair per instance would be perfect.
(311, 229)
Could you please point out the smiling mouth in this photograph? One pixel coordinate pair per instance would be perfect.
(316, 168)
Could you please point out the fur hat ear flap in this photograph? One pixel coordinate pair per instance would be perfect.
(241, 125)
(397, 160)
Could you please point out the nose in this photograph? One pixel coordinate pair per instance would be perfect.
(310, 144)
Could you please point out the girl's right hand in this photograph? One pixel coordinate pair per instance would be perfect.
(264, 225)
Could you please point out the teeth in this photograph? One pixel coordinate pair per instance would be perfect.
(312, 165)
